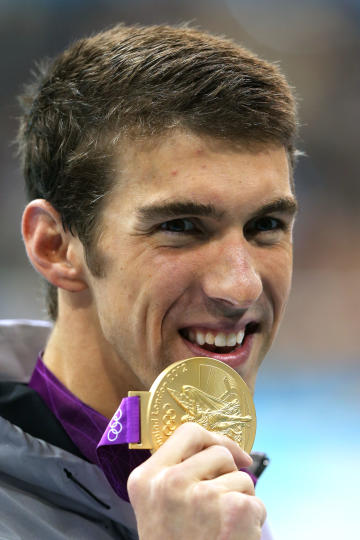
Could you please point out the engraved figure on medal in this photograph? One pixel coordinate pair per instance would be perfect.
(222, 413)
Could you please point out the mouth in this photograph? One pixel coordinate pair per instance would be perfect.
(231, 347)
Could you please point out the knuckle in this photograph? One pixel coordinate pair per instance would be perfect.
(240, 504)
(169, 482)
(247, 509)
(237, 516)
(135, 483)
(166, 484)
(223, 453)
(204, 492)
(248, 485)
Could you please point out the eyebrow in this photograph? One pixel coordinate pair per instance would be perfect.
(166, 210)
(174, 209)
(285, 205)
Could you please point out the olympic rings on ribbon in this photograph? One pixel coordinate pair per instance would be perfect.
(115, 426)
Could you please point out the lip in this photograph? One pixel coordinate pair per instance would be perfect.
(234, 359)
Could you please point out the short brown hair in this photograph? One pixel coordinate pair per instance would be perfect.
(133, 80)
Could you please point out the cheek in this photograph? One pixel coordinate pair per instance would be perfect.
(277, 280)
(284, 283)
(171, 276)
(175, 266)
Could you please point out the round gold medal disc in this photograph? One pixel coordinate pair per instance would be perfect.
(205, 391)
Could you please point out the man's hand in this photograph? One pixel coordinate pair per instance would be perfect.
(191, 489)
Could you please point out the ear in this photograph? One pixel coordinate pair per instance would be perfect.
(55, 253)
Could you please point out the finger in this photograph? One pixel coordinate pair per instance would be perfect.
(245, 510)
(234, 481)
(210, 463)
(189, 439)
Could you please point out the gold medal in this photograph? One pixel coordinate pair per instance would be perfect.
(201, 390)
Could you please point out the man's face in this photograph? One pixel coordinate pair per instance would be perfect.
(197, 254)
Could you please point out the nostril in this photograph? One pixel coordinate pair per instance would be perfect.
(221, 307)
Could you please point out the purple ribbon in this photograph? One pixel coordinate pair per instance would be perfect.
(113, 456)
(124, 427)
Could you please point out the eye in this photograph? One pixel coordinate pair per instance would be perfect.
(267, 223)
(180, 225)
(264, 226)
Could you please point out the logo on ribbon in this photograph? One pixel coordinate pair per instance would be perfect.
(115, 426)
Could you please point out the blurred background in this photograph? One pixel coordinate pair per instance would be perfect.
(307, 396)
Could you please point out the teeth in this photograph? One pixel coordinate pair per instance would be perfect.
(200, 338)
(231, 340)
(240, 336)
(209, 339)
(218, 339)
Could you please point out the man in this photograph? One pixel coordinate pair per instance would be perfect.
(158, 164)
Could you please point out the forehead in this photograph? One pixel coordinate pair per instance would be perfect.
(184, 165)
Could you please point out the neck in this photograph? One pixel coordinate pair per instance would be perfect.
(78, 354)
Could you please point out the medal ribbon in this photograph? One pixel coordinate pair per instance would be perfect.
(124, 427)
(113, 455)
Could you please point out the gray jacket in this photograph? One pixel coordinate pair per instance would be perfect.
(47, 493)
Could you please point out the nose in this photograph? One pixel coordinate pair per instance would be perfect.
(231, 281)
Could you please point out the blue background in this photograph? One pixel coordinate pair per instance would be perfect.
(308, 424)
